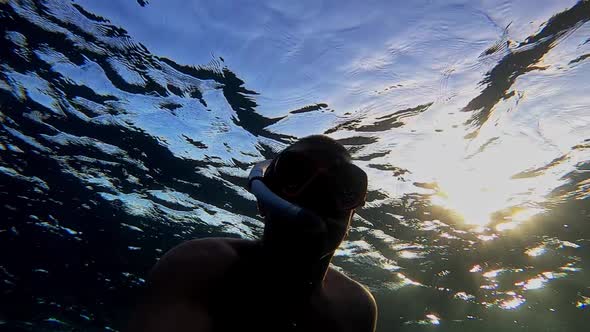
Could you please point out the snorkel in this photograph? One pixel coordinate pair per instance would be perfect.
(279, 208)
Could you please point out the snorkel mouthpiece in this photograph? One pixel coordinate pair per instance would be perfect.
(279, 208)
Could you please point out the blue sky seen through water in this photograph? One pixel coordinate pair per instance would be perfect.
(295, 54)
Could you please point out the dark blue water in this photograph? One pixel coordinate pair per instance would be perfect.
(127, 128)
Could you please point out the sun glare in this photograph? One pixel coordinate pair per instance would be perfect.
(482, 184)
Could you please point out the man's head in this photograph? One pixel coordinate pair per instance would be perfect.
(316, 173)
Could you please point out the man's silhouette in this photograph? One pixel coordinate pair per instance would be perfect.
(283, 281)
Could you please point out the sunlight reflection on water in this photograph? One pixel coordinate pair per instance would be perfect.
(471, 120)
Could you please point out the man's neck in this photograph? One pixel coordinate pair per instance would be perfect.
(298, 271)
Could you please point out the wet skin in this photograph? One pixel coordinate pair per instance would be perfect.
(220, 284)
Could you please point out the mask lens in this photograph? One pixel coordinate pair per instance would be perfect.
(349, 185)
(340, 188)
(293, 172)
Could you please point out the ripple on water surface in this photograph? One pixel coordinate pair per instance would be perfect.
(470, 119)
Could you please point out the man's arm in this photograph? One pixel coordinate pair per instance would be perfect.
(365, 317)
(177, 287)
(359, 309)
(372, 316)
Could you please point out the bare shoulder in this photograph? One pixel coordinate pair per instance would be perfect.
(180, 283)
(200, 248)
(355, 301)
(194, 262)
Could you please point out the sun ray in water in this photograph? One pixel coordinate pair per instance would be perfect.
(482, 184)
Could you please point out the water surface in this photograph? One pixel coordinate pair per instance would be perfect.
(127, 128)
